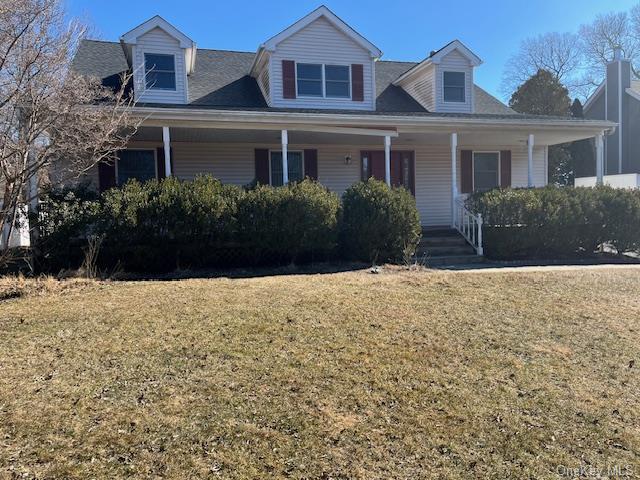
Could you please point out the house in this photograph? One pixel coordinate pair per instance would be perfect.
(316, 100)
(617, 99)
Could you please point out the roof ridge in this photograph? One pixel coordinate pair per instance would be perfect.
(199, 48)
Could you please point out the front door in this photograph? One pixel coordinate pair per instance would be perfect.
(402, 168)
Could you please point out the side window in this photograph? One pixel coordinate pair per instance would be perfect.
(309, 79)
(454, 86)
(160, 71)
(486, 171)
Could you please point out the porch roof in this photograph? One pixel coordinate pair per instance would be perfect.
(485, 128)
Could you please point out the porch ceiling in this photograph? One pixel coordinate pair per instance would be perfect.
(484, 137)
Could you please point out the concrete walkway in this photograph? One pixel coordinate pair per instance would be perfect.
(493, 267)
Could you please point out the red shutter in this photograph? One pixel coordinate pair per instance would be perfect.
(376, 160)
(505, 168)
(262, 166)
(160, 162)
(288, 79)
(106, 176)
(396, 169)
(311, 164)
(357, 83)
(466, 171)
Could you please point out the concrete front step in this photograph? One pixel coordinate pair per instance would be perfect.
(444, 250)
(452, 260)
(427, 242)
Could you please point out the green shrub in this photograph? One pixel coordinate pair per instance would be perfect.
(378, 223)
(557, 221)
(161, 225)
(66, 217)
(290, 222)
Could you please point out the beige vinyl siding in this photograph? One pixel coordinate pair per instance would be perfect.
(454, 62)
(158, 41)
(262, 76)
(320, 42)
(423, 89)
(234, 164)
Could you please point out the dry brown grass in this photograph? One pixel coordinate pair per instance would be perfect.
(349, 375)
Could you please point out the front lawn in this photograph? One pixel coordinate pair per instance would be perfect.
(347, 375)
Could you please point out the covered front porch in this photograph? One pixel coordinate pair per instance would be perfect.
(437, 160)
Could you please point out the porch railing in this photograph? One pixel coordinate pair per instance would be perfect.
(468, 224)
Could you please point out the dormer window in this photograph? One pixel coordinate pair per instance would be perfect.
(454, 87)
(318, 80)
(160, 71)
(337, 81)
(309, 79)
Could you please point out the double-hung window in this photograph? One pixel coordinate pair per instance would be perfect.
(318, 80)
(454, 86)
(309, 78)
(136, 164)
(337, 81)
(160, 71)
(486, 171)
(295, 167)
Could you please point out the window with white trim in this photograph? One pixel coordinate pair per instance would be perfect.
(453, 85)
(136, 164)
(337, 81)
(486, 171)
(319, 80)
(295, 167)
(160, 71)
(309, 79)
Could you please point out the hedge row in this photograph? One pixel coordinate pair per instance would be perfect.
(557, 222)
(168, 224)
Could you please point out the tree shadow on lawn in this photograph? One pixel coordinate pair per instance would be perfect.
(320, 268)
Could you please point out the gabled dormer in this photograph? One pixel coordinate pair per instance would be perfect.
(161, 58)
(443, 82)
(318, 62)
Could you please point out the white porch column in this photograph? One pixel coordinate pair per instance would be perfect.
(285, 157)
(530, 144)
(599, 159)
(454, 177)
(166, 141)
(387, 160)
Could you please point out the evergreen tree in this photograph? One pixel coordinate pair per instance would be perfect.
(543, 94)
(582, 151)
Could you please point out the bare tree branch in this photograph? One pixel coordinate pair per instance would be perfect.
(54, 123)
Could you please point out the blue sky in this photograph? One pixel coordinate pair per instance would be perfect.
(403, 30)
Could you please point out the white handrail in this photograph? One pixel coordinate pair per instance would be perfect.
(468, 224)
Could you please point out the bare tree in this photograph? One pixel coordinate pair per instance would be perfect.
(54, 123)
(606, 33)
(557, 53)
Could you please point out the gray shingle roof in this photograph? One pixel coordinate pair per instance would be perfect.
(221, 80)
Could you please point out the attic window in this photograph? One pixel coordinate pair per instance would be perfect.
(453, 86)
(160, 71)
